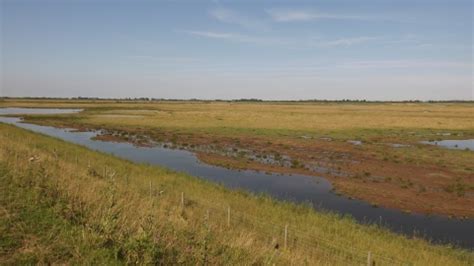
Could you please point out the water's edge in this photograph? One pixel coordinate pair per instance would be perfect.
(296, 188)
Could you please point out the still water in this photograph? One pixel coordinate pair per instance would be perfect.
(463, 144)
(297, 188)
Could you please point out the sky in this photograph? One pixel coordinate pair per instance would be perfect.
(274, 50)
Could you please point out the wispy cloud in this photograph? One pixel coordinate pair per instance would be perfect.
(308, 42)
(409, 64)
(294, 15)
(236, 37)
(232, 17)
(214, 35)
(162, 59)
(348, 41)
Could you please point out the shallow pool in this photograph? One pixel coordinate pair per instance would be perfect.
(467, 144)
(315, 191)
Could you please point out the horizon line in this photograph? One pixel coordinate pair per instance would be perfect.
(151, 99)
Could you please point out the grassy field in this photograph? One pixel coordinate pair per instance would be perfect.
(416, 178)
(347, 120)
(61, 203)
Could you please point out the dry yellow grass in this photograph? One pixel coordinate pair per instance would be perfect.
(295, 129)
(111, 198)
(298, 117)
(273, 116)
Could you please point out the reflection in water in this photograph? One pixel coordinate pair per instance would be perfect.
(25, 111)
(467, 144)
(298, 188)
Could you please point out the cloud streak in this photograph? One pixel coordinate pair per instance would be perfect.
(407, 64)
(231, 17)
(348, 41)
(308, 42)
(301, 15)
(285, 42)
(235, 37)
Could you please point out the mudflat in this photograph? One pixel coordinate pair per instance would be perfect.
(369, 151)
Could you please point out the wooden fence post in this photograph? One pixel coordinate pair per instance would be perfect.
(207, 219)
(286, 236)
(151, 192)
(228, 216)
(182, 199)
(369, 259)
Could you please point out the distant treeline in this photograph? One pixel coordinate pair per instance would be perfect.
(147, 99)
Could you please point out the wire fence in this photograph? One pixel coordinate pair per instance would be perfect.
(292, 239)
(280, 237)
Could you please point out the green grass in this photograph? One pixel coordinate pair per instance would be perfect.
(295, 129)
(76, 205)
(33, 230)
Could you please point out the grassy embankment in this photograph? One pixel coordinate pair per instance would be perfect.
(418, 178)
(61, 203)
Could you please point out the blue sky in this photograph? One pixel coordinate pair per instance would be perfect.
(377, 50)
